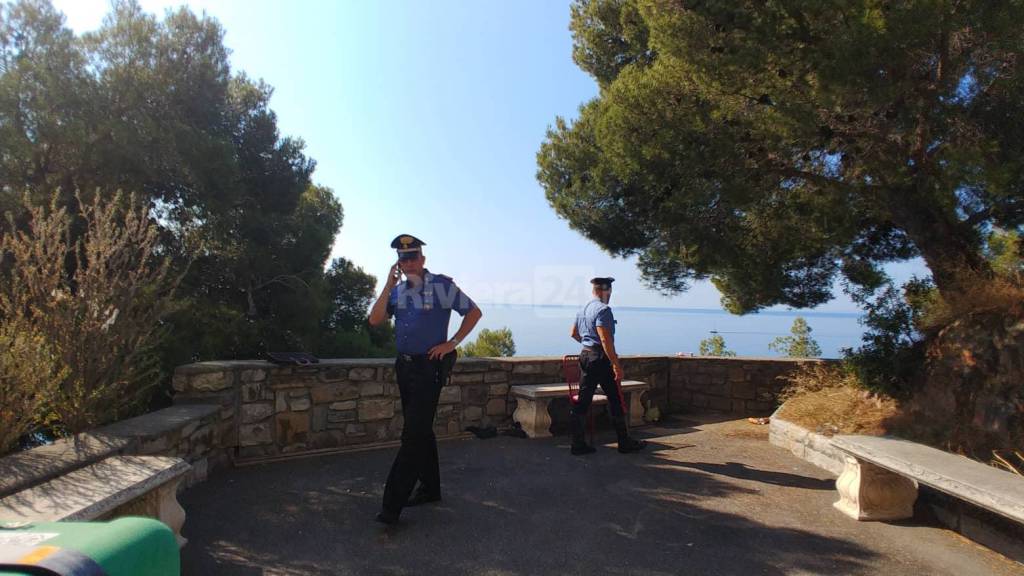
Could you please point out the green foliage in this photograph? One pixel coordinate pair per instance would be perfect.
(610, 34)
(151, 105)
(774, 146)
(345, 332)
(370, 342)
(799, 343)
(892, 352)
(715, 346)
(1006, 252)
(30, 376)
(351, 292)
(491, 343)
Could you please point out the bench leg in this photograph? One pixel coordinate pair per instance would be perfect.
(867, 492)
(533, 416)
(162, 504)
(636, 408)
(169, 511)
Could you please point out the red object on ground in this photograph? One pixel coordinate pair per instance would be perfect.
(571, 374)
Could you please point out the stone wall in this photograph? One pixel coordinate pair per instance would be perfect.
(268, 410)
(745, 386)
(252, 409)
(280, 410)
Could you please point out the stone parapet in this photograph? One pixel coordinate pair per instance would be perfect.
(270, 410)
(738, 385)
(279, 410)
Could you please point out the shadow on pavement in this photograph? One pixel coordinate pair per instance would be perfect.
(744, 472)
(511, 507)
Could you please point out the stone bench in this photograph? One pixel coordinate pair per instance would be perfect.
(532, 402)
(881, 475)
(162, 432)
(116, 486)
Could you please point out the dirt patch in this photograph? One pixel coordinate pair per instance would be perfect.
(754, 433)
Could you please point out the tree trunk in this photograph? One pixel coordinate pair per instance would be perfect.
(950, 247)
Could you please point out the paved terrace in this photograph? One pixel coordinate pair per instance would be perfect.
(708, 497)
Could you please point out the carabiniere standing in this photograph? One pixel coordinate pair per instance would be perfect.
(422, 306)
(599, 363)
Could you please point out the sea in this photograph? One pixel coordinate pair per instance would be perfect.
(543, 330)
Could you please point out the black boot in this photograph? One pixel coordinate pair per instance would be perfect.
(422, 496)
(627, 444)
(579, 444)
(387, 517)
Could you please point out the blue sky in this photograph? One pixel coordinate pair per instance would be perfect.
(425, 118)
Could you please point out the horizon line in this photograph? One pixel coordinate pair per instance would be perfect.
(687, 309)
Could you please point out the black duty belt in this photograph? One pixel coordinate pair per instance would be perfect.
(444, 363)
(449, 357)
(594, 349)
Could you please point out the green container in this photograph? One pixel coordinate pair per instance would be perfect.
(123, 547)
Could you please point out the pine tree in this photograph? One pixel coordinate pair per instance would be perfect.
(799, 343)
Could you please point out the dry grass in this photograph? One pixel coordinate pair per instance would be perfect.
(1002, 292)
(827, 400)
(1009, 460)
(830, 401)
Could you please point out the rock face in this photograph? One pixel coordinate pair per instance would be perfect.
(975, 378)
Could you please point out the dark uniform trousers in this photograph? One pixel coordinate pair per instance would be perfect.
(596, 370)
(419, 382)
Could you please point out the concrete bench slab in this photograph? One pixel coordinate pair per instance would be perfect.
(116, 486)
(145, 433)
(23, 470)
(879, 481)
(532, 402)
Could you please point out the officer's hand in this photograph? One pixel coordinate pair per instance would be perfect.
(393, 275)
(617, 368)
(441, 350)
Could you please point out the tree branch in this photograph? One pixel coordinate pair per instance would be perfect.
(818, 179)
(978, 217)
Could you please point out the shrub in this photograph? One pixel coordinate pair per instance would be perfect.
(491, 343)
(891, 354)
(96, 302)
(715, 346)
(799, 343)
(30, 375)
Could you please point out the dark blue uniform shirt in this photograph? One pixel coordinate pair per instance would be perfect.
(594, 314)
(422, 312)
